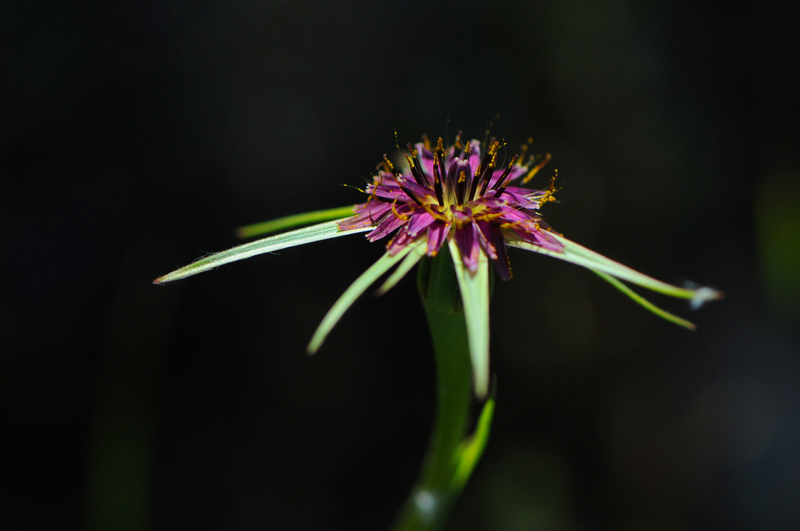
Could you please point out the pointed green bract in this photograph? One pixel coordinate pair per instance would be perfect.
(475, 297)
(579, 255)
(321, 231)
(297, 220)
(415, 254)
(644, 302)
(472, 447)
(355, 290)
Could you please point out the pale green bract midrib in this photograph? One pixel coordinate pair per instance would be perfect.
(321, 231)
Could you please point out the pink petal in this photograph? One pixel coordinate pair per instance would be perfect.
(437, 235)
(467, 242)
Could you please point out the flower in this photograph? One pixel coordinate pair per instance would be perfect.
(461, 196)
(459, 190)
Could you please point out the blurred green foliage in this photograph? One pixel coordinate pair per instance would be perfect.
(778, 223)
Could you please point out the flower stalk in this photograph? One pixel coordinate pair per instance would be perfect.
(452, 453)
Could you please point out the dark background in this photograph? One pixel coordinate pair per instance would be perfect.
(135, 136)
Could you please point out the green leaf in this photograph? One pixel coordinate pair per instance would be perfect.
(579, 255)
(644, 302)
(355, 290)
(475, 297)
(296, 220)
(322, 231)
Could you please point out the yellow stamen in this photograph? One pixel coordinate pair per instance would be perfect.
(397, 214)
(493, 153)
(536, 169)
(356, 187)
(388, 164)
(548, 195)
(436, 213)
(487, 217)
(523, 150)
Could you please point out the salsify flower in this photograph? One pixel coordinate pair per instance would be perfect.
(459, 196)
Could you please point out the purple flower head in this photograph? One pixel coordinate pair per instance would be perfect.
(462, 193)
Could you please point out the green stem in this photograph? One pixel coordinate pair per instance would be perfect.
(452, 454)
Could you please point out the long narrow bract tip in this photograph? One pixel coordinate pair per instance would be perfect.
(704, 295)
(313, 233)
(356, 289)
